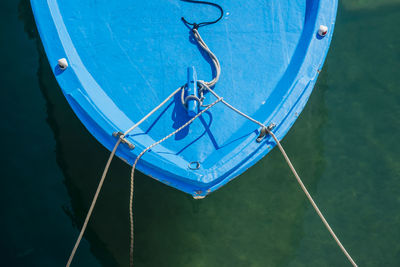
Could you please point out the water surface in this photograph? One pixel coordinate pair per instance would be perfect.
(344, 145)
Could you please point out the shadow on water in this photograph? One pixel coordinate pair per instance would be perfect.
(256, 220)
(69, 135)
(81, 158)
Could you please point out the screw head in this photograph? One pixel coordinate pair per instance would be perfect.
(62, 63)
(323, 30)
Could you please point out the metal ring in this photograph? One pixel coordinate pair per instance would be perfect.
(194, 165)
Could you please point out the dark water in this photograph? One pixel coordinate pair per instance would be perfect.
(345, 145)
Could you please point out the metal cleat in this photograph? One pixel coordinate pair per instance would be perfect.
(123, 140)
(264, 131)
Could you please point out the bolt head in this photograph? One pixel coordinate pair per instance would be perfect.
(323, 30)
(62, 63)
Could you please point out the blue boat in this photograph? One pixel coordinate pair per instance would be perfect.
(115, 61)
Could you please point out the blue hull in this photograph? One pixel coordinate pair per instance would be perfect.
(125, 57)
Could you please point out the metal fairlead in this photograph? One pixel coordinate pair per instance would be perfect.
(264, 131)
(123, 140)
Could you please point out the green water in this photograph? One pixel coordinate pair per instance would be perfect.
(344, 146)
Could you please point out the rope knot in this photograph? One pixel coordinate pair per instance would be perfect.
(195, 26)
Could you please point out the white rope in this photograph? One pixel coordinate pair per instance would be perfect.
(96, 195)
(151, 112)
(293, 171)
(89, 214)
(211, 55)
(211, 83)
(311, 199)
(133, 172)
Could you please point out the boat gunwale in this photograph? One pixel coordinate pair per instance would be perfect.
(101, 127)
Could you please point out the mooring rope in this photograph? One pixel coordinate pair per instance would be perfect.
(311, 199)
(121, 137)
(214, 59)
(206, 85)
(203, 85)
(96, 195)
(138, 158)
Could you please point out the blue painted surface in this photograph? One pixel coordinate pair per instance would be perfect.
(125, 57)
